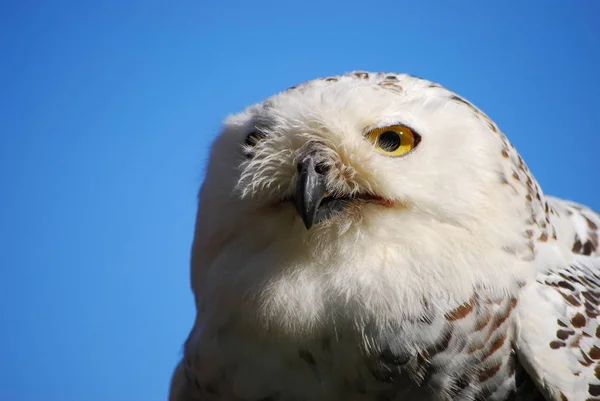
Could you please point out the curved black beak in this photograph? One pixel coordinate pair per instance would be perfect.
(310, 190)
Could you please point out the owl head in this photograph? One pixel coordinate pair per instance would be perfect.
(393, 175)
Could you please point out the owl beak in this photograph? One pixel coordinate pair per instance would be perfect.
(310, 190)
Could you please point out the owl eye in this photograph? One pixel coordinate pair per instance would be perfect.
(253, 138)
(251, 141)
(394, 140)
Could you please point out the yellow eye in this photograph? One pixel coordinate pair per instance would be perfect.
(394, 140)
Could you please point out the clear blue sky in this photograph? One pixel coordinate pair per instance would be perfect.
(108, 108)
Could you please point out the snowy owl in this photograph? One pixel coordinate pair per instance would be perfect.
(375, 236)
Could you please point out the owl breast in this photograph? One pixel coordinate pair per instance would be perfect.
(461, 354)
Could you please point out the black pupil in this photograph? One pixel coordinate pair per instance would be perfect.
(389, 141)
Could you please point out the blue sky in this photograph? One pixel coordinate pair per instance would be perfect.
(108, 109)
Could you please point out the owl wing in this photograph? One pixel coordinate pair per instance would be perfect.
(557, 332)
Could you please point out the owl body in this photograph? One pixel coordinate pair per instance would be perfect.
(374, 236)
(434, 358)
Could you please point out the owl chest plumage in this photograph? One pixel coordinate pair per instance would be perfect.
(462, 354)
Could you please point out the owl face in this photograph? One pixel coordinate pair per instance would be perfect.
(392, 173)
(360, 148)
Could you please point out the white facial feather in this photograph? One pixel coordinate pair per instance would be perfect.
(436, 242)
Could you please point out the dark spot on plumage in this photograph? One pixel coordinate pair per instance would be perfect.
(361, 75)
(307, 357)
(495, 346)
(488, 372)
(577, 246)
(570, 299)
(594, 389)
(586, 359)
(331, 79)
(587, 282)
(569, 277)
(543, 237)
(590, 297)
(460, 312)
(561, 324)
(475, 346)
(590, 304)
(590, 223)
(442, 344)
(504, 153)
(529, 181)
(592, 280)
(483, 321)
(460, 100)
(393, 86)
(566, 285)
(557, 344)
(594, 353)
(588, 248)
(597, 371)
(564, 334)
(391, 78)
(578, 321)
(499, 319)
(591, 309)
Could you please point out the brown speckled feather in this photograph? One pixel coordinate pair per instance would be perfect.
(559, 332)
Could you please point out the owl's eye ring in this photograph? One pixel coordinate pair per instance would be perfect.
(394, 140)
